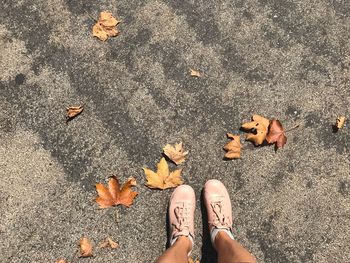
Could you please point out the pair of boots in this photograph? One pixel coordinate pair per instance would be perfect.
(182, 207)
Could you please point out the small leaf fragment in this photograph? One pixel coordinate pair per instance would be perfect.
(175, 153)
(109, 243)
(105, 26)
(85, 247)
(233, 147)
(61, 261)
(276, 134)
(195, 73)
(190, 260)
(74, 111)
(113, 195)
(340, 122)
(163, 179)
(258, 127)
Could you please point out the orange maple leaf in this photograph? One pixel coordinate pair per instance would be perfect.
(276, 134)
(113, 195)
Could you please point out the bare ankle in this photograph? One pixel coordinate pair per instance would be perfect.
(222, 237)
(185, 242)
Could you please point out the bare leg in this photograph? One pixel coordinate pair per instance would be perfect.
(230, 251)
(178, 252)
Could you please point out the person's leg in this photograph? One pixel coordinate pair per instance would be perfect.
(181, 221)
(230, 251)
(178, 252)
(218, 205)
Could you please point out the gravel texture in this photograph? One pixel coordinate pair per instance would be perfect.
(278, 58)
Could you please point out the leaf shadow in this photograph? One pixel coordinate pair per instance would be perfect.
(335, 128)
(167, 225)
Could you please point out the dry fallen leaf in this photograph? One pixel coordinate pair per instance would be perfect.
(276, 134)
(74, 111)
(163, 179)
(340, 122)
(61, 261)
(259, 127)
(190, 260)
(105, 26)
(113, 195)
(85, 248)
(195, 73)
(175, 153)
(233, 147)
(109, 243)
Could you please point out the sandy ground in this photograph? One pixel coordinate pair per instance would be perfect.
(278, 58)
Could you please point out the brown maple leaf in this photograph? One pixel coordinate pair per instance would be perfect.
(113, 195)
(259, 128)
(109, 243)
(276, 134)
(73, 111)
(163, 179)
(175, 153)
(85, 248)
(233, 147)
(105, 26)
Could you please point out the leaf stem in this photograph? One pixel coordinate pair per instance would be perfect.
(293, 128)
(91, 17)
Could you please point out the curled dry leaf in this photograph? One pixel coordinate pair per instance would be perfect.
(109, 243)
(61, 261)
(340, 122)
(114, 195)
(175, 153)
(195, 73)
(276, 134)
(233, 147)
(85, 248)
(163, 179)
(105, 26)
(259, 128)
(74, 111)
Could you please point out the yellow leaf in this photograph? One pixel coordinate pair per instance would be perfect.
(163, 179)
(175, 153)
